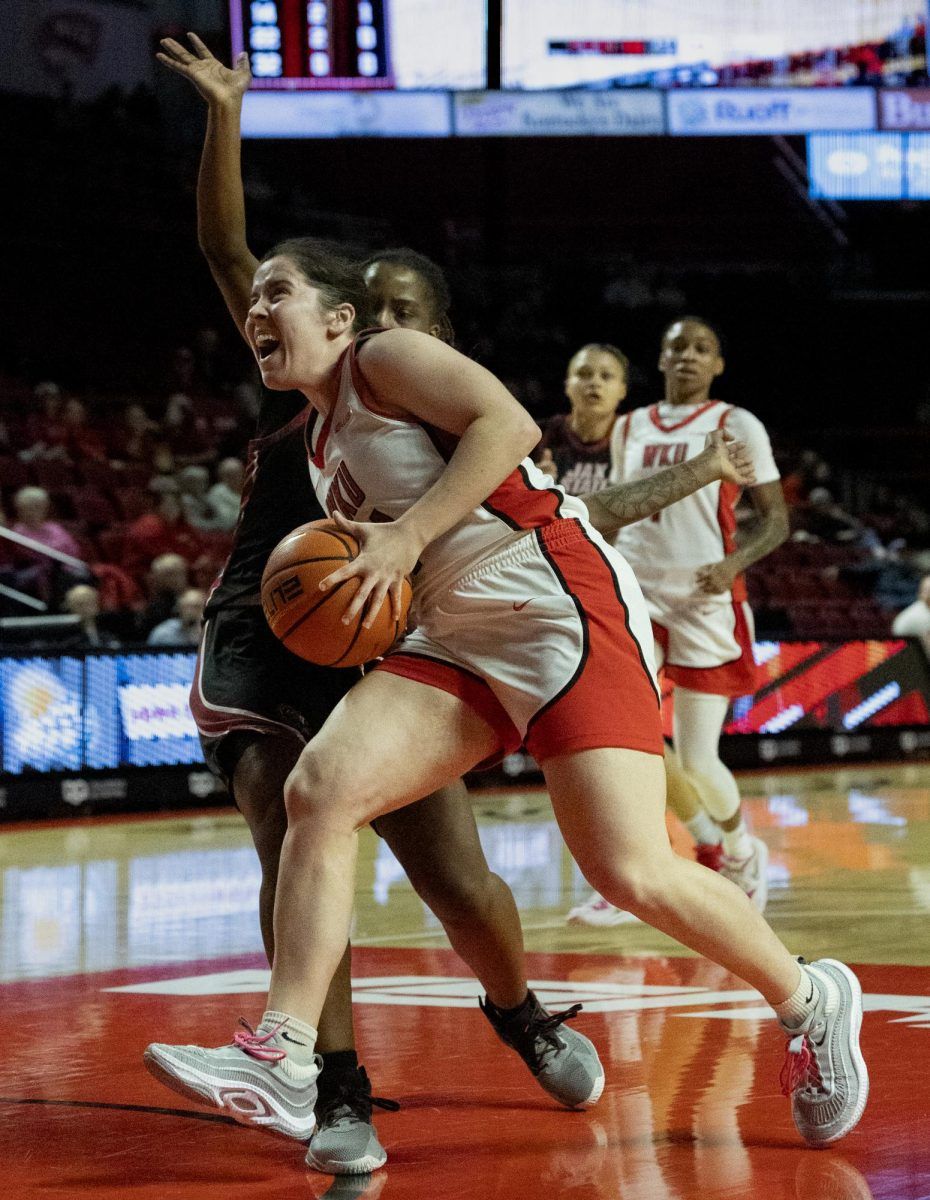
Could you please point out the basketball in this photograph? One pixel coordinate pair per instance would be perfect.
(309, 622)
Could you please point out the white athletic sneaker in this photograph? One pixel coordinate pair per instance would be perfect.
(597, 911)
(824, 1073)
(251, 1079)
(750, 873)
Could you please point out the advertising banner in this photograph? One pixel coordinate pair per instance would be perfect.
(559, 114)
(905, 109)
(346, 114)
(769, 110)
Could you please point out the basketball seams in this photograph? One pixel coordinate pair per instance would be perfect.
(317, 635)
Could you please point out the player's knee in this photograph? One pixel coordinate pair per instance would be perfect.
(631, 885)
(323, 788)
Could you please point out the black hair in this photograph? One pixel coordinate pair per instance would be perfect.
(338, 277)
(607, 348)
(691, 319)
(431, 274)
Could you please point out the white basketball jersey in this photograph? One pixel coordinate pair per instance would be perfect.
(373, 467)
(665, 550)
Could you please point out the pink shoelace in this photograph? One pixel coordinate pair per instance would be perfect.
(800, 1066)
(256, 1044)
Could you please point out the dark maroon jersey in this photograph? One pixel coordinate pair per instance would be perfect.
(277, 497)
(582, 466)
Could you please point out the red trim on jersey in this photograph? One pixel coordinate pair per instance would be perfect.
(522, 505)
(471, 689)
(624, 434)
(660, 424)
(317, 456)
(736, 678)
(726, 518)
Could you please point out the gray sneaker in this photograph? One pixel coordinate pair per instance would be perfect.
(564, 1062)
(824, 1073)
(345, 1141)
(251, 1079)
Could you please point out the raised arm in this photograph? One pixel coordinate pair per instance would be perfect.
(624, 503)
(220, 200)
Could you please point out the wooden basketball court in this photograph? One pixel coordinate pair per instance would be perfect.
(116, 933)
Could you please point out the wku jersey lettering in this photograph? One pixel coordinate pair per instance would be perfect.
(344, 494)
(346, 497)
(664, 454)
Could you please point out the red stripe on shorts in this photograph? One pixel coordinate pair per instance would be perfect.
(736, 678)
(611, 699)
(463, 684)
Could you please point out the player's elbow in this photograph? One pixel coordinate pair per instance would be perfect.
(526, 433)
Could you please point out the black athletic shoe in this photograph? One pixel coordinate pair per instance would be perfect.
(345, 1141)
(563, 1061)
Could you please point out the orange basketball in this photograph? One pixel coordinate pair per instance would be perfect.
(308, 621)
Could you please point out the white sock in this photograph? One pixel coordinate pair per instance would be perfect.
(297, 1038)
(794, 1011)
(704, 831)
(736, 842)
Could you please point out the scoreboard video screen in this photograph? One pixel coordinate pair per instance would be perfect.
(733, 43)
(302, 45)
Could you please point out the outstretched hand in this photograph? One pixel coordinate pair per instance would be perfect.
(216, 83)
(730, 460)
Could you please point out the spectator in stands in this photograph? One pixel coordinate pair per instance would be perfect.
(184, 629)
(82, 440)
(914, 621)
(167, 582)
(193, 486)
(84, 602)
(164, 531)
(135, 440)
(226, 493)
(33, 511)
(826, 521)
(187, 433)
(45, 432)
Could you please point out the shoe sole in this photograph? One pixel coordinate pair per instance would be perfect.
(596, 1092)
(760, 896)
(218, 1093)
(620, 918)
(358, 1166)
(832, 966)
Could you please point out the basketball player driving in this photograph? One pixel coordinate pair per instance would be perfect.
(531, 629)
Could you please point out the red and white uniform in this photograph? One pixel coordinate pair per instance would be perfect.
(521, 608)
(706, 640)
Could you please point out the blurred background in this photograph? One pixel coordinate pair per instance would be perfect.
(583, 172)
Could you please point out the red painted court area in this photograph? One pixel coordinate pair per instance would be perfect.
(692, 1106)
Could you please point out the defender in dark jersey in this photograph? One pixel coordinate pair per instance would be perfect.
(256, 704)
(575, 446)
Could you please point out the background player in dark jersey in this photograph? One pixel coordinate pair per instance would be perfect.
(256, 704)
(575, 446)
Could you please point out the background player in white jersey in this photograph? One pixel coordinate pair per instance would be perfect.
(690, 566)
(530, 628)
